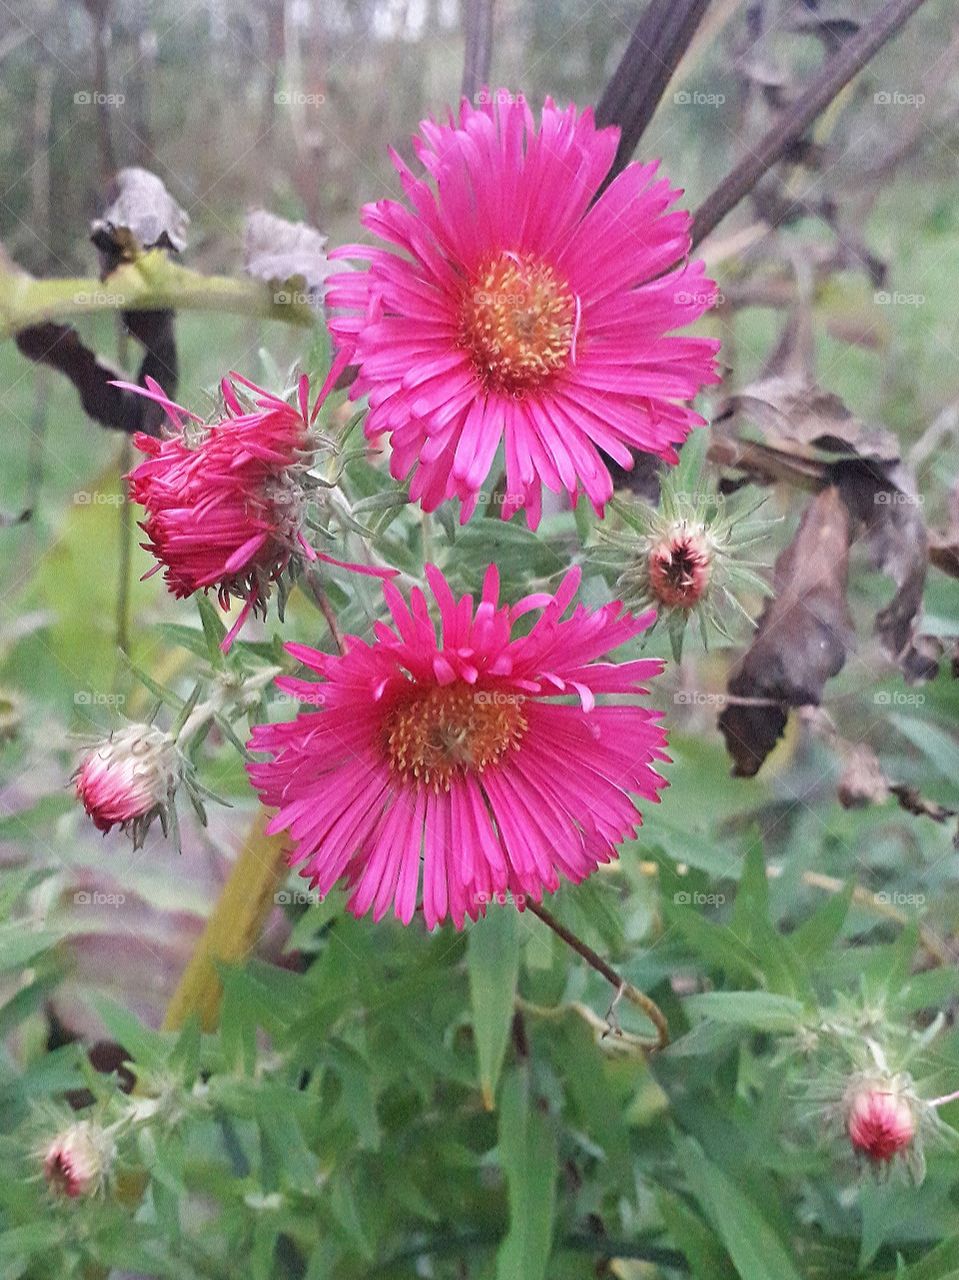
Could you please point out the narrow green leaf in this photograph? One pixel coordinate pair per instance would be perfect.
(754, 1247)
(493, 963)
(527, 1150)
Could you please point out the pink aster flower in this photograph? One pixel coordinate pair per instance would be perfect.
(514, 305)
(225, 502)
(483, 755)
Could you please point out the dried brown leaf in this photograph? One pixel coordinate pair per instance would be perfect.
(802, 637)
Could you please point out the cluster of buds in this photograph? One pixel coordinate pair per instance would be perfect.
(684, 559)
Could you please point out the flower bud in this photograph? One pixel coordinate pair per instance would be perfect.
(77, 1161)
(679, 568)
(880, 1119)
(128, 779)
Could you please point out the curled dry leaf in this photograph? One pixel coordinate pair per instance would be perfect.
(286, 253)
(802, 637)
(140, 214)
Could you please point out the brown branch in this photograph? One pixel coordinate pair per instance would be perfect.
(322, 602)
(833, 77)
(659, 41)
(623, 988)
(477, 59)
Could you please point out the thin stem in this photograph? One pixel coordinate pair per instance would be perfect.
(948, 1097)
(322, 601)
(478, 23)
(624, 989)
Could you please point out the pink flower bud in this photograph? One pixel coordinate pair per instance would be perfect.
(679, 568)
(128, 779)
(880, 1120)
(77, 1161)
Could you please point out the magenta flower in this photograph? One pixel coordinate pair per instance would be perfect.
(481, 755)
(225, 502)
(516, 306)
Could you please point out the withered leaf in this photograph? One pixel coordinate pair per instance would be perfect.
(802, 636)
(140, 214)
(286, 253)
(884, 501)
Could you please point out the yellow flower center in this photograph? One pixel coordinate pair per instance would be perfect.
(518, 322)
(431, 735)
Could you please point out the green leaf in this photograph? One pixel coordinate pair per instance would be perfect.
(493, 962)
(762, 1010)
(756, 1250)
(527, 1151)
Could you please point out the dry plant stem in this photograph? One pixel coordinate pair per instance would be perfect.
(623, 988)
(835, 74)
(322, 601)
(233, 928)
(478, 22)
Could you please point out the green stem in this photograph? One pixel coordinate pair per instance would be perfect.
(151, 283)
